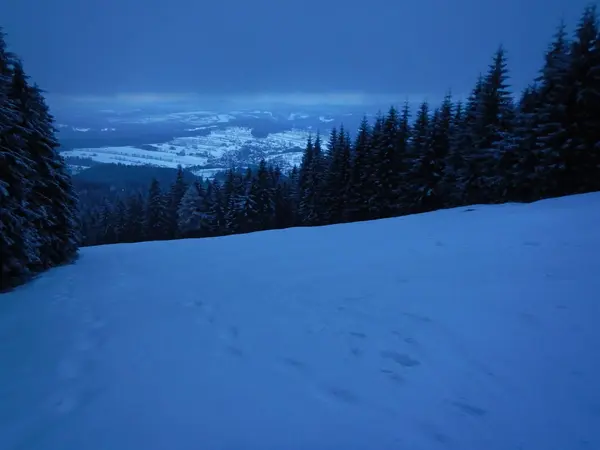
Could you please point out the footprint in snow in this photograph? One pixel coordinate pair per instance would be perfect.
(468, 409)
(357, 334)
(339, 395)
(417, 317)
(355, 351)
(65, 403)
(400, 358)
(294, 364)
(434, 433)
(393, 376)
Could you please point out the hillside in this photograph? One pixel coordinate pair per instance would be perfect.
(472, 328)
(203, 141)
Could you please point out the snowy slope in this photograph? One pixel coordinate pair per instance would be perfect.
(472, 329)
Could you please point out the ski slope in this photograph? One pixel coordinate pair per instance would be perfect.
(472, 329)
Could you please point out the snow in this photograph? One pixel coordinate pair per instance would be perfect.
(219, 148)
(294, 116)
(471, 328)
(198, 118)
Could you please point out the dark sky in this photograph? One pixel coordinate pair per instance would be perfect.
(247, 47)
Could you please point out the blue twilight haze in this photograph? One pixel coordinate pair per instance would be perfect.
(257, 50)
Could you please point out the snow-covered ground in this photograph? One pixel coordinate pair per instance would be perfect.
(472, 329)
(221, 147)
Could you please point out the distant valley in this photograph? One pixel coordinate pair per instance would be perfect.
(204, 142)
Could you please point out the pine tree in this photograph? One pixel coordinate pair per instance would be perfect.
(234, 191)
(330, 189)
(19, 240)
(582, 151)
(494, 117)
(250, 209)
(178, 190)
(432, 161)
(337, 177)
(55, 188)
(387, 166)
(552, 120)
(405, 162)
(157, 220)
(264, 197)
(107, 234)
(216, 213)
(419, 147)
(38, 208)
(190, 214)
(134, 219)
(454, 165)
(120, 221)
(283, 205)
(518, 161)
(370, 182)
(311, 203)
(358, 195)
(293, 194)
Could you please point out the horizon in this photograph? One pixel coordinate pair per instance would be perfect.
(154, 58)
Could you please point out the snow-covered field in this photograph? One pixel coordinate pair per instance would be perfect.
(222, 147)
(472, 329)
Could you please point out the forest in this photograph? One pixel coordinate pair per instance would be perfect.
(39, 216)
(494, 146)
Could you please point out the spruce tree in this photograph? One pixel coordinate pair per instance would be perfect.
(432, 161)
(518, 164)
(311, 208)
(107, 234)
(157, 220)
(358, 197)
(134, 219)
(216, 214)
(454, 164)
(264, 196)
(387, 176)
(337, 177)
(552, 120)
(370, 182)
(178, 189)
(494, 115)
(235, 195)
(419, 148)
(190, 214)
(582, 152)
(283, 205)
(38, 207)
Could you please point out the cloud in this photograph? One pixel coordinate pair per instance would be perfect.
(256, 100)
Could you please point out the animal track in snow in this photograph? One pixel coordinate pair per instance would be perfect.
(468, 409)
(294, 364)
(400, 358)
(358, 335)
(342, 395)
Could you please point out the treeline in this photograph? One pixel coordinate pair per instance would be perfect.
(254, 200)
(489, 149)
(38, 208)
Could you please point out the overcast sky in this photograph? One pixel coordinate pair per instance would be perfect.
(96, 48)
